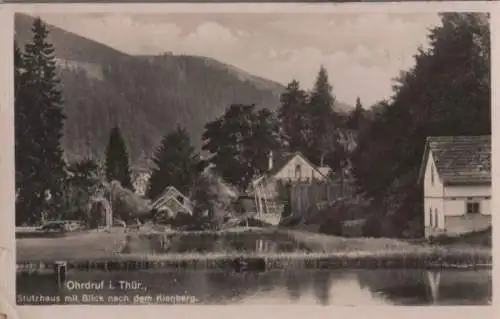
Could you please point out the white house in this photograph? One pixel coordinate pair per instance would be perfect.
(288, 167)
(456, 178)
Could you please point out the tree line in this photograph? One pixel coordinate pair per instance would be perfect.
(447, 92)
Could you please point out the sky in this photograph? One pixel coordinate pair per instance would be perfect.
(362, 53)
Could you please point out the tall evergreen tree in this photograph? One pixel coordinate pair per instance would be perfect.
(321, 117)
(321, 97)
(117, 165)
(356, 116)
(447, 92)
(292, 117)
(39, 117)
(176, 164)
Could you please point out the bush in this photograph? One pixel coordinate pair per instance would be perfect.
(373, 227)
(290, 221)
(252, 222)
(482, 238)
(331, 226)
(183, 221)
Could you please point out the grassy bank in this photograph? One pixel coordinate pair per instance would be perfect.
(381, 248)
(262, 262)
(78, 245)
(101, 250)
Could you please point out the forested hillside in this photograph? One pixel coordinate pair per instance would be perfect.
(146, 96)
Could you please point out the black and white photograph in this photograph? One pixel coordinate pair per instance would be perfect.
(253, 158)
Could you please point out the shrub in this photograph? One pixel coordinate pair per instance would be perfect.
(373, 227)
(331, 226)
(290, 221)
(482, 238)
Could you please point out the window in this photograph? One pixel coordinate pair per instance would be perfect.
(473, 208)
(298, 171)
(436, 220)
(180, 199)
(432, 174)
(430, 217)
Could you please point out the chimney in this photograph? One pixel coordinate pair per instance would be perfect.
(270, 166)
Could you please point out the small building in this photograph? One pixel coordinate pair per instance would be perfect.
(288, 167)
(172, 201)
(284, 168)
(456, 177)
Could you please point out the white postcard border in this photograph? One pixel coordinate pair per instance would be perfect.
(7, 266)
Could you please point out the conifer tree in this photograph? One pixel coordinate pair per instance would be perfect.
(322, 121)
(176, 164)
(446, 93)
(117, 159)
(356, 116)
(291, 116)
(40, 168)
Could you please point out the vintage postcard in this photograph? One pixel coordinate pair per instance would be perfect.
(308, 157)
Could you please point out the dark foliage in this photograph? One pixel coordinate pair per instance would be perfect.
(446, 93)
(142, 95)
(81, 184)
(483, 238)
(39, 121)
(176, 165)
(240, 142)
(117, 160)
(290, 221)
(331, 226)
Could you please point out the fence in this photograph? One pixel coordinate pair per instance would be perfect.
(305, 194)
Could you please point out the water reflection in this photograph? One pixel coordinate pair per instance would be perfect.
(323, 287)
(244, 243)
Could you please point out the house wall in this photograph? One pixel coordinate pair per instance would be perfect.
(435, 189)
(447, 206)
(433, 199)
(433, 209)
(457, 220)
(457, 206)
(456, 225)
(467, 191)
(307, 171)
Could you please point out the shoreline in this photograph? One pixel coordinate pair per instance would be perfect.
(327, 252)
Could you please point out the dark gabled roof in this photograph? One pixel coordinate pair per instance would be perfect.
(460, 159)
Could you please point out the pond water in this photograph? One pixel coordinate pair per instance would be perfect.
(245, 242)
(331, 287)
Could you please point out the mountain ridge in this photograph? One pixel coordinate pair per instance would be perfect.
(147, 96)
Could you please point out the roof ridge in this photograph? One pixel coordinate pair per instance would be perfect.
(463, 158)
(458, 136)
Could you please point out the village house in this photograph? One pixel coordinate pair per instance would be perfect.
(456, 177)
(288, 167)
(282, 168)
(171, 201)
